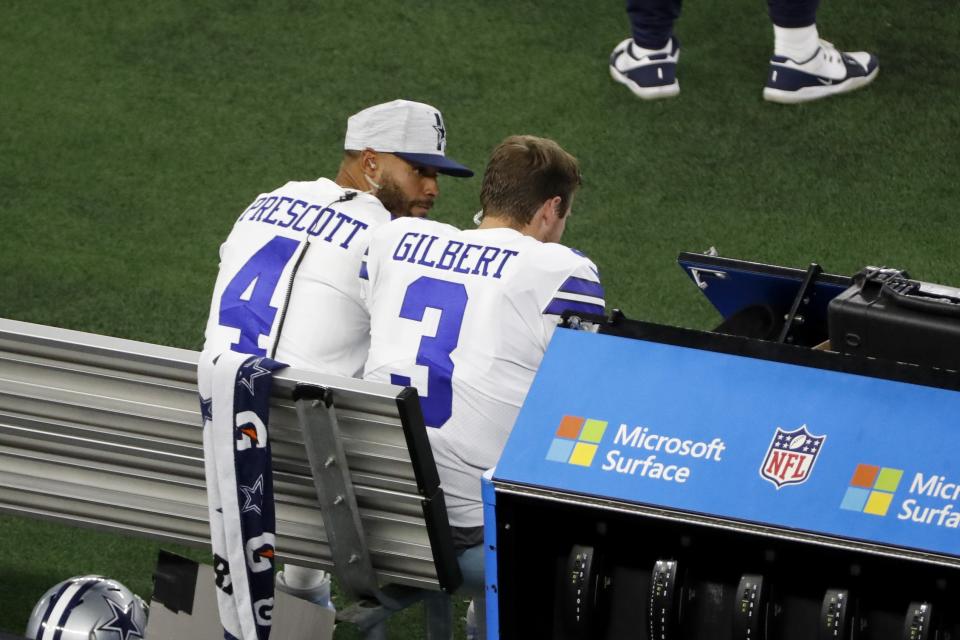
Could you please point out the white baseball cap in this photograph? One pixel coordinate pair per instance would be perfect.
(413, 131)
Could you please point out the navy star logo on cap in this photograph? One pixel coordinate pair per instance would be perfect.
(122, 621)
(441, 132)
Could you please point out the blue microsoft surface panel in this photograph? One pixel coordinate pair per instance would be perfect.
(745, 439)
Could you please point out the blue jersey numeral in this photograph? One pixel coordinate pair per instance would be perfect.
(252, 314)
(450, 298)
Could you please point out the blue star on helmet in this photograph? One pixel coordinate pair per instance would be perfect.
(122, 621)
(253, 496)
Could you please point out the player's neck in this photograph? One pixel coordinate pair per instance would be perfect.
(347, 177)
(505, 222)
(494, 221)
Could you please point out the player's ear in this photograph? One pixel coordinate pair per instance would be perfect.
(370, 164)
(542, 215)
(545, 219)
(555, 205)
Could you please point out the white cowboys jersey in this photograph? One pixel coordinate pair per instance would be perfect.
(289, 268)
(465, 316)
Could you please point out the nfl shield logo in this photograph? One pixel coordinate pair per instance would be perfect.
(791, 456)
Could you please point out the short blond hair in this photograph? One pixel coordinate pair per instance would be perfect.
(525, 171)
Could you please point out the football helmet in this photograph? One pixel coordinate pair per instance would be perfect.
(88, 608)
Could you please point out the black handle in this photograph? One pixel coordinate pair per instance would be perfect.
(906, 293)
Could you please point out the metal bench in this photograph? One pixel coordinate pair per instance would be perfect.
(105, 433)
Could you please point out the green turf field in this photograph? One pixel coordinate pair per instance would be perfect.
(131, 135)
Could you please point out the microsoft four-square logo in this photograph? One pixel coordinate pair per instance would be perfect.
(871, 489)
(576, 440)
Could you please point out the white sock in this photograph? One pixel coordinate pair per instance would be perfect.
(797, 44)
(639, 52)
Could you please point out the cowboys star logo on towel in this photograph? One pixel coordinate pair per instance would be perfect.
(253, 370)
(791, 456)
(252, 496)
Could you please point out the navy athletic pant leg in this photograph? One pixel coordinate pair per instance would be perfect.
(792, 14)
(652, 21)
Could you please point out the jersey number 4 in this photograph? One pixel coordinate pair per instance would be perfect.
(245, 303)
(450, 298)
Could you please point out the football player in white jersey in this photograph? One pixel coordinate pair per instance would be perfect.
(287, 286)
(466, 316)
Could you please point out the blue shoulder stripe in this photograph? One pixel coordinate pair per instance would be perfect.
(582, 286)
(558, 305)
(363, 270)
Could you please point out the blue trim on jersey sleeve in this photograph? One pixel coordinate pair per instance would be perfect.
(363, 271)
(558, 305)
(582, 286)
(583, 255)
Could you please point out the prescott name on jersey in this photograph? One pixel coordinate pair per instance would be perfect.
(302, 216)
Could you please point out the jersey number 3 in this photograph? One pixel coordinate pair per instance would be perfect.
(450, 298)
(245, 303)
